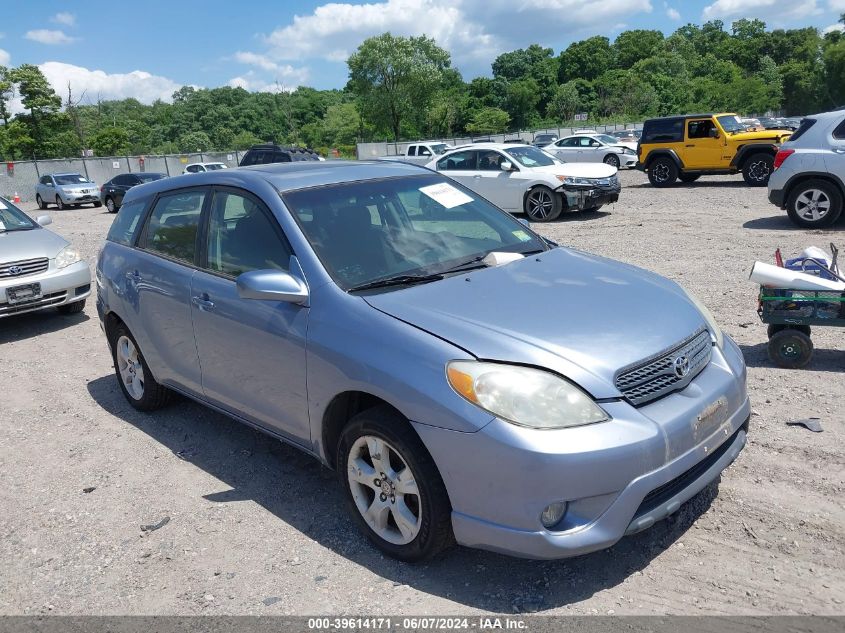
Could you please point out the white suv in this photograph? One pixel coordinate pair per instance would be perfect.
(809, 171)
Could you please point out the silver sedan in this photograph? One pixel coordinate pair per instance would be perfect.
(66, 190)
(594, 148)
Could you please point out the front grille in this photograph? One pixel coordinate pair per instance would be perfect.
(23, 267)
(656, 376)
(44, 302)
(663, 493)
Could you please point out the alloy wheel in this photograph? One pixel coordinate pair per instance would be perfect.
(759, 170)
(110, 205)
(384, 490)
(540, 204)
(812, 205)
(130, 368)
(660, 172)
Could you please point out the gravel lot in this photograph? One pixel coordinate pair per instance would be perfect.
(256, 527)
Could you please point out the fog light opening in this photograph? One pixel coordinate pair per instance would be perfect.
(552, 514)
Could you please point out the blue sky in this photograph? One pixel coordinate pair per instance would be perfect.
(147, 50)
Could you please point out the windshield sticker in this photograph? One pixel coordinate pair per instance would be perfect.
(522, 236)
(446, 195)
(3, 206)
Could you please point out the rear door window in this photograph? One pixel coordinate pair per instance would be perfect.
(839, 132)
(805, 125)
(126, 222)
(172, 227)
(664, 131)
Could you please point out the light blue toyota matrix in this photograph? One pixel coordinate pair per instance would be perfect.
(469, 381)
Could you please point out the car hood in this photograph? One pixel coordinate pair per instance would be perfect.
(580, 315)
(774, 136)
(77, 186)
(577, 170)
(31, 244)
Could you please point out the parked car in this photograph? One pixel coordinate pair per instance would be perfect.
(689, 146)
(585, 130)
(38, 268)
(197, 168)
(66, 190)
(420, 153)
(367, 315)
(594, 148)
(525, 179)
(540, 140)
(809, 171)
(111, 193)
(627, 136)
(272, 153)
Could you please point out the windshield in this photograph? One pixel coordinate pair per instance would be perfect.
(606, 138)
(439, 148)
(70, 179)
(532, 157)
(413, 225)
(13, 219)
(731, 124)
(149, 177)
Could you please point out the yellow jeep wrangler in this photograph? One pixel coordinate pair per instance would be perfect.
(686, 147)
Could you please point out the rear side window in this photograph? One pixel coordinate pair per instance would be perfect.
(839, 132)
(172, 227)
(663, 131)
(280, 157)
(805, 125)
(125, 223)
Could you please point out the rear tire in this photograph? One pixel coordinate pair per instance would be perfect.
(612, 160)
(110, 206)
(408, 514)
(72, 308)
(757, 169)
(542, 204)
(814, 203)
(134, 375)
(662, 172)
(790, 349)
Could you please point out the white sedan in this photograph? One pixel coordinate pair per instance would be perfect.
(525, 179)
(594, 148)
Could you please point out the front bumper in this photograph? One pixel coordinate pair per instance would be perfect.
(58, 287)
(618, 477)
(80, 198)
(579, 198)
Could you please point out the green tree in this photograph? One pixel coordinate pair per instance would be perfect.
(7, 91)
(565, 103)
(110, 141)
(586, 59)
(523, 95)
(16, 142)
(635, 45)
(834, 72)
(38, 96)
(488, 121)
(194, 142)
(245, 140)
(395, 78)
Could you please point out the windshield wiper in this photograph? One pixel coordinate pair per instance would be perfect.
(398, 280)
(470, 264)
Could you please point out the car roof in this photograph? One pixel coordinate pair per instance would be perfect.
(702, 115)
(489, 146)
(66, 173)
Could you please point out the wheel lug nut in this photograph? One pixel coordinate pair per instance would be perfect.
(377, 482)
(383, 497)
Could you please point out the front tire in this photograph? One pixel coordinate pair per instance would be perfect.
(612, 160)
(757, 169)
(542, 205)
(814, 203)
(134, 375)
(110, 206)
(392, 486)
(790, 349)
(72, 308)
(662, 172)
(41, 204)
(60, 205)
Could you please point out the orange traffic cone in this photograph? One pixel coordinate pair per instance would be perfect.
(17, 198)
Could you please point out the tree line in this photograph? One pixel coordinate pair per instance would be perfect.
(407, 88)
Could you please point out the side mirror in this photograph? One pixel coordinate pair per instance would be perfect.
(43, 220)
(272, 285)
(713, 133)
(506, 166)
(50, 183)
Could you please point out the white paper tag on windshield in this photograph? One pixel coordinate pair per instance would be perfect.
(3, 206)
(446, 194)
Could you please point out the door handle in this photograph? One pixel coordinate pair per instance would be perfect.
(477, 176)
(689, 145)
(839, 150)
(133, 276)
(203, 302)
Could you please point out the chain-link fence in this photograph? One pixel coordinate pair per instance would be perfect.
(388, 148)
(21, 177)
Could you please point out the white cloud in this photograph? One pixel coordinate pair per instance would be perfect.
(249, 81)
(836, 5)
(777, 11)
(473, 31)
(284, 72)
(833, 27)
(5, 58)
(68, 19)
(671, 12)
(47, 36)
(138, 84)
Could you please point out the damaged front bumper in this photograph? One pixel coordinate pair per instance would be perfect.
(589, 195)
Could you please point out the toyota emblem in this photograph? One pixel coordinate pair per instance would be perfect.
(15, 270)
(681, 366)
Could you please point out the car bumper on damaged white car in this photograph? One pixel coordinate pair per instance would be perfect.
(589, 193)
(50, 288)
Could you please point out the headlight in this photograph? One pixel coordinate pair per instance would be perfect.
(570, 180)
(67, 256)
(523, 396)
(714, 328)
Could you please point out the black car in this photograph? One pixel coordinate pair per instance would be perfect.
(541, 140)
(272, 153)
(111, 193)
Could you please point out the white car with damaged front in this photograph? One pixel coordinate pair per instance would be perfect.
(525, 179)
